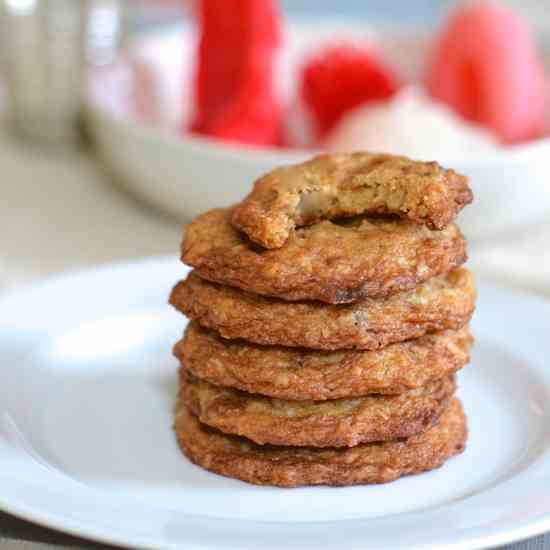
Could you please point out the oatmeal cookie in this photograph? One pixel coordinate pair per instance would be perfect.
(331, 262)
(368, 463)
(441, 303)
(301, 374)
(338, 185)
(332, 423)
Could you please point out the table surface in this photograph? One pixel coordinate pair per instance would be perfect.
(62, 211)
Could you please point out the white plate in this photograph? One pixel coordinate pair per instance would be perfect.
(86, 444)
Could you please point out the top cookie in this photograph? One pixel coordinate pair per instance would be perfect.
(330, 262)
(342, 185)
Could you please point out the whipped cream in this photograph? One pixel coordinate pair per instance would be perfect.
(409, 124)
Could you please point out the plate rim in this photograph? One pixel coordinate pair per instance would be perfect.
(480, 537)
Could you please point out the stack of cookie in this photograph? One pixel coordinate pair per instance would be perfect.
(329, 315)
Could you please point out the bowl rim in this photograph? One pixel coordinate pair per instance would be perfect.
(253, 153)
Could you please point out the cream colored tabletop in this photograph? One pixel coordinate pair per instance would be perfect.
(62, 212)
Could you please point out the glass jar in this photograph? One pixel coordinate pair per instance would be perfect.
(45, 46)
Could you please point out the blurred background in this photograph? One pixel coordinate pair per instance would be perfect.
(111, 138)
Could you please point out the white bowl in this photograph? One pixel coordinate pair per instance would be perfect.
(134, 110)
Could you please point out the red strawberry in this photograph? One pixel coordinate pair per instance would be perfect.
(256, 121)
(340, 78)
(485, 66)
(235, 97)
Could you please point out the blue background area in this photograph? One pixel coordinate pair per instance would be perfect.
(414, 12)
(397, 12)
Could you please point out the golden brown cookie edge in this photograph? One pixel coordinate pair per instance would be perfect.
(235, 457)
(212, 246)
(301, 374)
(372, 418)
(371, 324)
(268, 215)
